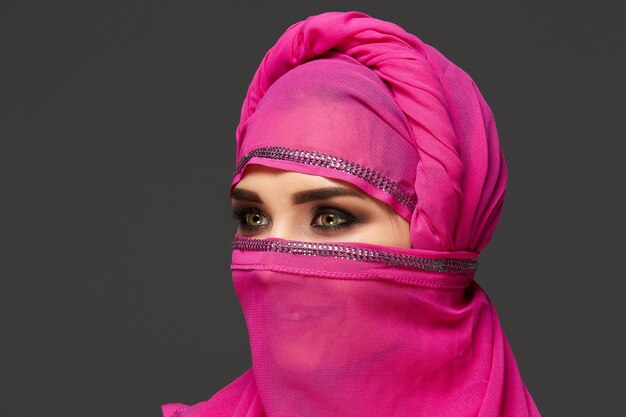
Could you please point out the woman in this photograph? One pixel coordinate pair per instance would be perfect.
(369, 177)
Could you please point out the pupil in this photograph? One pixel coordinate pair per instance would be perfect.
(329, 219)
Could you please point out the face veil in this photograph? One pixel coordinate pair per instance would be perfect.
(359, 330)
(356, 329)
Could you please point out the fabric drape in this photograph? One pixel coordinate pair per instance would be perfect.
(355, 329)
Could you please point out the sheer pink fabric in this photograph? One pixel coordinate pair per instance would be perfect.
(353, 329)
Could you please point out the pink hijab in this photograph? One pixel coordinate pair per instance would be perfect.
(354, 329)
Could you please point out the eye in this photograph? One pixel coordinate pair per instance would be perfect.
(250, 218)
(331, 219)
(255, 219)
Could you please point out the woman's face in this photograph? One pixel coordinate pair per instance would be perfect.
(315, 324)
(269, 202)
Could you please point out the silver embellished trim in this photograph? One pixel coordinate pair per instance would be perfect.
(407, 199)
(355, 254)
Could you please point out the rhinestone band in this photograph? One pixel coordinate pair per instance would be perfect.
(407, 199)
(355, 254)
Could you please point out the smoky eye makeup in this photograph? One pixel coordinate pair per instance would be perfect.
(249, 219)
(321, 218)
(332, 218)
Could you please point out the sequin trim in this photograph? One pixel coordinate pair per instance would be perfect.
(355, 254)
(407, 199)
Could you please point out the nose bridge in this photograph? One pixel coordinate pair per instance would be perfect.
(284, 226)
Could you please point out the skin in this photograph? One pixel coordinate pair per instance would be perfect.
(268, 202)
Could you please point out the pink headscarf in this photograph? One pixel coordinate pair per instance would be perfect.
(354, 329)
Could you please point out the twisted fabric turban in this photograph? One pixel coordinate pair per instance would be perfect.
(358, 329)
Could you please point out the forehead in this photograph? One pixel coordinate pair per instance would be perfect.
(259, 178)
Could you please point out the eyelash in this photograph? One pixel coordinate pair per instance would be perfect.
(348, 220)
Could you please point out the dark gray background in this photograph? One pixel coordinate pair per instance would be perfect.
(117, 144)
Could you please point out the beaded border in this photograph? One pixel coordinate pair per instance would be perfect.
(354, 253)
(407, 199)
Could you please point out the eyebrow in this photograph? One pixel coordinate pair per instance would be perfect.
(245, 195)
(323, 194)
(300, 197)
